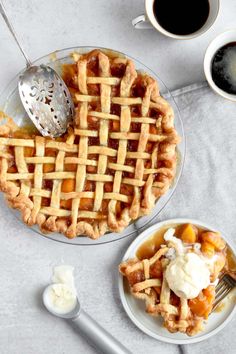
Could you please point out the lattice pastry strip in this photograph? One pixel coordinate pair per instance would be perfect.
(125, 120)
(83, 148)
(22, 168)
(105, 91)
(81, 171)
(56, 188)
(38, 178)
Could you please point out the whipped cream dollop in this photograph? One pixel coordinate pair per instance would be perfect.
(61, 296)
(187, 275)
(176, 242)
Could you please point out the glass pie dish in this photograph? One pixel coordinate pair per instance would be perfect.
(11, 105)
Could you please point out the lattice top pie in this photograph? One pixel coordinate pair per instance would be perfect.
(115, 161)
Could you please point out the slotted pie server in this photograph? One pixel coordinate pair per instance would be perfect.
(43, 93)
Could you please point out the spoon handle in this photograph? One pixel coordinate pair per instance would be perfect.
(98, 336)
(9, 25)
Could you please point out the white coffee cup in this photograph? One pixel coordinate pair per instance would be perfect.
(149, 20)
(217, 43)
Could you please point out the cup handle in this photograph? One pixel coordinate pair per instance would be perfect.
(141, 22)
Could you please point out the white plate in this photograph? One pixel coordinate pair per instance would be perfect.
(153, 326)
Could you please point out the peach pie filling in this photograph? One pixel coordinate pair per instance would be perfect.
(176, 272)
(117, 158)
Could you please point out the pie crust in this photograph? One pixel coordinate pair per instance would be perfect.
(117, 158)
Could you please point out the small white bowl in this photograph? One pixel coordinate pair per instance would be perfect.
(153, 326)
(217, 43)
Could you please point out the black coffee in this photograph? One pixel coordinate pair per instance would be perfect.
(181, 17)
(223, 68)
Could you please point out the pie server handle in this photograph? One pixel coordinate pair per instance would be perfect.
(97, 335)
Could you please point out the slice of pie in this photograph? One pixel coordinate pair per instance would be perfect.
(114, 162)
(177, 275)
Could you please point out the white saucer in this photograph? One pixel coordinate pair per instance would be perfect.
(153, 326)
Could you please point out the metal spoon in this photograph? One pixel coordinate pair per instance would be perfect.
(97, 335)
(43, 93)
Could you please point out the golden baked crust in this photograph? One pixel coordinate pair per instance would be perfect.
(111, 166)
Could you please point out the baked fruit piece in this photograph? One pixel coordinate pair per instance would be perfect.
(147, 275)
(115, 161)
